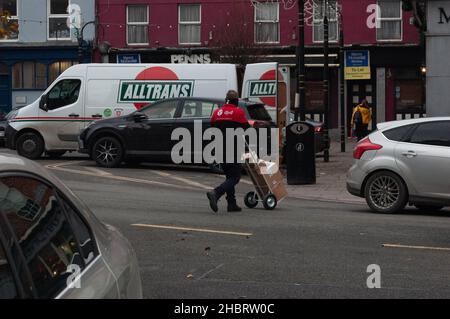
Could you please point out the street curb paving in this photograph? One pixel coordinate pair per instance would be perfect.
(329, 200)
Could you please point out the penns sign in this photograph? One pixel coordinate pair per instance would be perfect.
(438, 17)
(443, 16)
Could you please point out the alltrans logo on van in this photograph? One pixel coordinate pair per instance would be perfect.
(262, 88)
(154, 84)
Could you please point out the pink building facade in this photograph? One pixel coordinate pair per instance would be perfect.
(191, 31)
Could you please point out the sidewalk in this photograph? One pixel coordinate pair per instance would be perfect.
(330, 181)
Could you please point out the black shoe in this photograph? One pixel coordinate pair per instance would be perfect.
(234, 208)
(212, 201)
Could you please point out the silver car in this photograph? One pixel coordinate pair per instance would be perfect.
(403, 162)
(52, 246)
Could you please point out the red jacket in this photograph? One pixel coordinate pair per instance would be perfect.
(229, 116)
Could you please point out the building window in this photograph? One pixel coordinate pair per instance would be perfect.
(29, 75)
(318, 15)
(267, 22)
(137, 25)
(57, 20)
(389, 20)
(189, 19)
(9, 22)
(55, 69)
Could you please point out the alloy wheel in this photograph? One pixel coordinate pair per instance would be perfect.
(107, 152)
(384, 192)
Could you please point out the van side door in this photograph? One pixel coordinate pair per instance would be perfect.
(61, 117)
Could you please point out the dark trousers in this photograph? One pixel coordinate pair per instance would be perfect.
(233, 173)
(361, 131)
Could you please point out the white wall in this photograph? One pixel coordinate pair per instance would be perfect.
(438, 65)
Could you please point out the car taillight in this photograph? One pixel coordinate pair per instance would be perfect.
(318, 129)
(363, 146)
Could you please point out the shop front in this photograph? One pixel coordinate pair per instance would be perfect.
(26, 71)
(394, 86)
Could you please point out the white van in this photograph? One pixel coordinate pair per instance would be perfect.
(88, 92)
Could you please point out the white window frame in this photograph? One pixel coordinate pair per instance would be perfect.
(139, 24)
(380, 19)
(50, 16)
(180, 23)
(277, 21)
(336, 20)
(16, 17)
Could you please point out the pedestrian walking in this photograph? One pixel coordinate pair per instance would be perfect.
(228, 116)
(362, 114)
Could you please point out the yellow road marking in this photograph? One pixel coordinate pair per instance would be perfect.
(202, 230)
(416, 247)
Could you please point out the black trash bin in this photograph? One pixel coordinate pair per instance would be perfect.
(300, 154)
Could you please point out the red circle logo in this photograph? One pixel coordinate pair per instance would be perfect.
(269, 76)
(155, 73)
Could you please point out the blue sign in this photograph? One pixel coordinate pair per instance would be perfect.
(129, 58)
(357, 59)
(357, 65)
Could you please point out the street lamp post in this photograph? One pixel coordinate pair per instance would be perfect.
(81, 40)
(301, 62)
(326, 82)
(342, 80)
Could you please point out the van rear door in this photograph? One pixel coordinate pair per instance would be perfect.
(260, 83)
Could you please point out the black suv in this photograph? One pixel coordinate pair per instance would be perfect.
(145, 135)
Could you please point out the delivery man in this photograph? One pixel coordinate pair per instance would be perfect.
(362, 114)
(228, 116)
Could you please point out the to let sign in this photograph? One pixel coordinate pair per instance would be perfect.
(357, 65)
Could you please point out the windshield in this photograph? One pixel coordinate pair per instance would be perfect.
(258, 112)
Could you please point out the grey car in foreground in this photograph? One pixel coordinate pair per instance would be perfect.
(52, 246)
(403, 162)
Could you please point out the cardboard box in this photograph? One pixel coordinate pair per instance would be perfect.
(268, 182)
(276, 184)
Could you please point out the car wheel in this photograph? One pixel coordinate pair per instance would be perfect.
(55, 154)
(107, 152)
(30, 145)
(386, 193)
(429, 208)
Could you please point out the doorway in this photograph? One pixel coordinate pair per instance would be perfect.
(356, 92)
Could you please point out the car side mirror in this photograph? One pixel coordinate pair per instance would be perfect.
(139, 117)
(43, 103)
